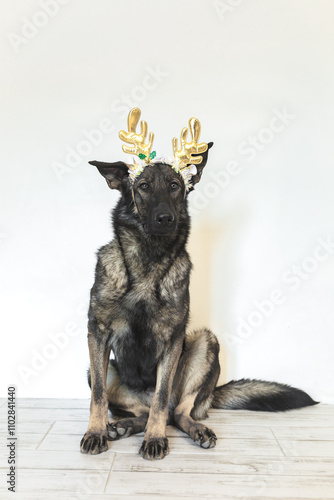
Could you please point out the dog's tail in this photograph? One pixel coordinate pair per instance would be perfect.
(258, 395)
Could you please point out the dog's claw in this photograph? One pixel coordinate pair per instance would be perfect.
(112, 433)
(154, 449)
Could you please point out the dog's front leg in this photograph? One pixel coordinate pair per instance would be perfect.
(155, 444)
(96, 438)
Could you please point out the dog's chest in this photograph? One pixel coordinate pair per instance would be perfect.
(144, 288)
(153, 296)
(142, 313)
(138, 341)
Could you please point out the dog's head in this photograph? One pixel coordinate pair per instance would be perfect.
(158, 194)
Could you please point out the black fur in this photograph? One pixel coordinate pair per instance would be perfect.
(241, 395)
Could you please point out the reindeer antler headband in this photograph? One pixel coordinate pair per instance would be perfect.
(183, 162)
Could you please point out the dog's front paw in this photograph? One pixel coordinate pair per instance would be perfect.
(154, 448)
(94, 443)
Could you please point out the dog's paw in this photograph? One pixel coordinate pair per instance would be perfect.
(94, 443)
(203, 436)
(118, 430)
(154, 449)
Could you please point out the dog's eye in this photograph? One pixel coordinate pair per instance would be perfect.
(144, 186)
(174, 186)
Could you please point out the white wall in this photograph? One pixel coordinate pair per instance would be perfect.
(233, 64)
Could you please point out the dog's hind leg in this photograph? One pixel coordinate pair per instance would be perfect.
(124, 401)
(127, 426)
(196, 379)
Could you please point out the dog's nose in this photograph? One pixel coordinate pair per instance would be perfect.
(165, 219)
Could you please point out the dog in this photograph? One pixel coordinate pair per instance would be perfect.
(139, 308)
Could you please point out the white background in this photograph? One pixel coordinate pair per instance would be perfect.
(234, 65)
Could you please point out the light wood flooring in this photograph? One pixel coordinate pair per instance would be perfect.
(258, 455)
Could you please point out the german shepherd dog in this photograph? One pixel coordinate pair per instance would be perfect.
(139, 308)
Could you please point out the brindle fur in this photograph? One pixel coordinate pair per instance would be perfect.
(139, 309)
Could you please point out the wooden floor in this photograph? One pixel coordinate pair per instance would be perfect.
(258, 455)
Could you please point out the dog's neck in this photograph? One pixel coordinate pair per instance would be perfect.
(144, 250)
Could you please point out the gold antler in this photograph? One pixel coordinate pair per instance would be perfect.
(137, 140)
(183, 155)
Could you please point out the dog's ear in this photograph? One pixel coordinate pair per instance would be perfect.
(196, 178)
(114, 173)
